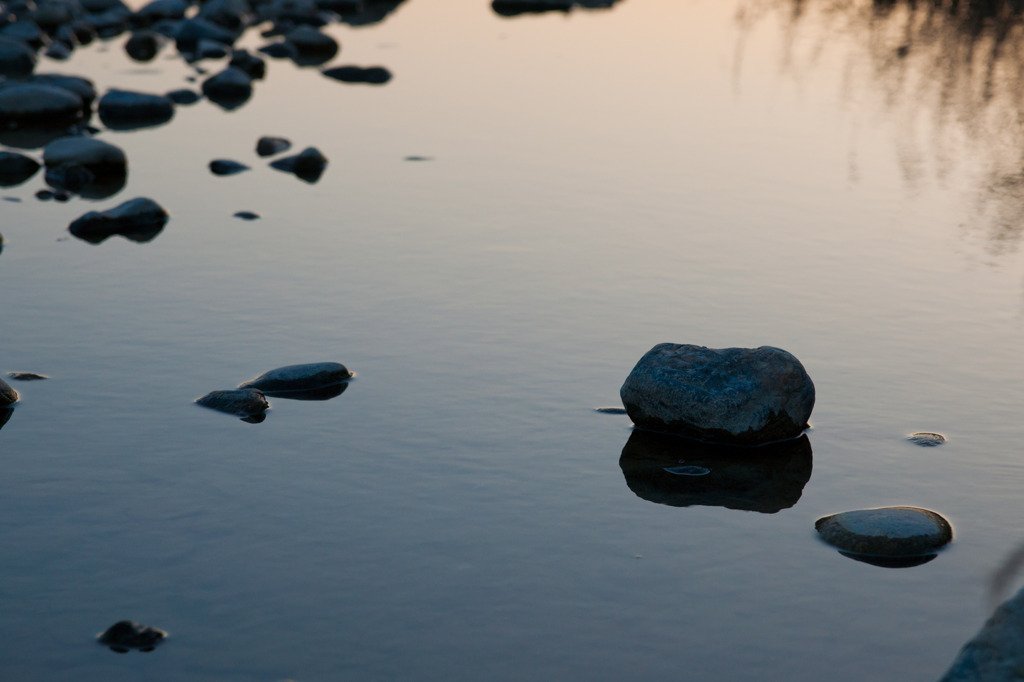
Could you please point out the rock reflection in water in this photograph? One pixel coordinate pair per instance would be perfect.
(951, 72)
(669, 470)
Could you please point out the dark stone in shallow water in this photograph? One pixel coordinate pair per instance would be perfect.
(229, 89)
(888, 532)
(227, 167)
(294, 378)
(33, 105)
(144, 45)
(139, 220)
(16, 168)
(247, 215)
(127, 634)
(249, 404)
(308, 165)
(926, 439)
(183, 96)
(127, 110)
(372, 75)
(268, 146)
(27, 376)
(679, 472)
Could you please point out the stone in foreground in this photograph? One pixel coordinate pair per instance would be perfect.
(308, 377)
(248, 404)
(127, 634)
(996, 653)
(8, 396)
(140, 220)
(741, 396)
(308, 165)
(886, 532)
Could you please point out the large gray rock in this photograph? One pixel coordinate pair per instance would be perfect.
(17, 59)
(744, 396)
(307, 377)
(8, 395)
(996, 653)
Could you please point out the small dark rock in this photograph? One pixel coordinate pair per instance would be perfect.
(227, 167)
(229, 89)
(308, 166)
(247, 215)
(139, 220)
(127, 634)
(252, 65)
(372, 75)
(27, 376)
(610, 410)
(308, 377)
(144, 45)
(87, 166)
(44, 195)
(17, 59)
(280, 50)
(16, 168)
(36, 106)
(127, 110)
(268, 146)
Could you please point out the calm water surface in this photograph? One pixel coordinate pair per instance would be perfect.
(725, 174)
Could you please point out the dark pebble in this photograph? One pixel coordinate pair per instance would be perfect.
(247, 215)
(227, 167)
(27, 376)
(127, 634)
(183, 96)
(268, 146)
(927, 440)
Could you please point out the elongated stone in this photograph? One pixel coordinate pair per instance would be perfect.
(300, 377)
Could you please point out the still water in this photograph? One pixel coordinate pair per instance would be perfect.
(834, 180)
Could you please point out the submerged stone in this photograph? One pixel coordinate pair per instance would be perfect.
(229, 89)
(17, 59)
(247, 215)
(127, 634)
(246, 403)
(926, 439)
(610, 410)
(308, 377)
(183, 96)
(35, 105)
(89, 167)
(139, 220)
(742, 396)
(891, 532)
(27, 376)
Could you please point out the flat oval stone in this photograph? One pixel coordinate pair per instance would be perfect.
(247, 215)
(97, 155)
(926, 439)
(227, 167)
(886, 531)
(229, 89)
(139, 219)
(300, 377)
(31, 104)
(27, 376)
(16, 168)
(307, 165)
(128, 110)
(127, 634)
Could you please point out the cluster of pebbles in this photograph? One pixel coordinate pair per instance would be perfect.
(58, 113)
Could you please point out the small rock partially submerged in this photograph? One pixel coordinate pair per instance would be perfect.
(229, 89)
(139, 220)
(741, 396)
(300, 378)
(308, 165)
(92, 168)
(926, 439)
(610, 410)
(127, 634)
(27, 376)
(227, 167)
(8, 396)
(246, 403)
(247, 215)
(183, 96)
(895, 536)
(371, 75)
(268, 146)
(35, 106)
(311, 46)
(129, 110)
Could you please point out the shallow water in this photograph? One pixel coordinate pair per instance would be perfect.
(598, 182)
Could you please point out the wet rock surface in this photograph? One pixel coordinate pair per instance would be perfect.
(247, 215)
(139, 220)
(227, 167)
(127, 634)
(38, 105)
(8, 396)
(996, 653)
(268, 146)
(229, 89)
(300, 378)
(86, 166)
(248, 404)
(888, 532)
(927, 439)
(27, 376)
(743, 396)
(679, 472)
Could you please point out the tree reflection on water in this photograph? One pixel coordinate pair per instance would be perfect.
(950, 74)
